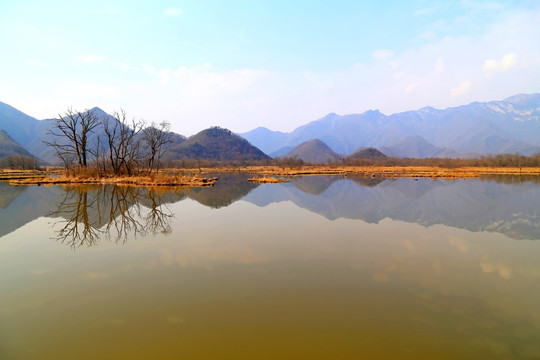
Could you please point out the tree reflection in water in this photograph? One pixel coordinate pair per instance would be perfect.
(92, 212)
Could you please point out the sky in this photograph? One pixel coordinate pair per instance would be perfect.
(278, 64)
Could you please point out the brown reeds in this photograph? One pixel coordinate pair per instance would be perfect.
(266, 180)
(147, 181)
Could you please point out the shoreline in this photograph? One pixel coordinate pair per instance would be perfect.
(382, 171)
(144, 181)
(195, 178)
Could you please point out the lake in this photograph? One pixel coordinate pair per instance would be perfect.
(322, 267)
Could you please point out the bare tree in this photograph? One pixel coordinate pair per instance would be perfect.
(27, 162)
(122, 141)
(73, 210)
(70, 133)
(100, 157)
(157, 138)
(19, 161)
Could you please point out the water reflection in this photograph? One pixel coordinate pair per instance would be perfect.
(502, 204)
(231, 188)
(497, 204)
(9, 193)
(90, 213)
(229, 283)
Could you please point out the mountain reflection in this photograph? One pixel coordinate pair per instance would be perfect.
(9, 193)
(507, 205)
(88, 214)
(229, 188)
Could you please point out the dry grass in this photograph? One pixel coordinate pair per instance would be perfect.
(266, 174)
(9, 174)
(266, 180)
(383, 171)
(147, 181)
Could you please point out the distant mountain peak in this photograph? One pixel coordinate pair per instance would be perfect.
(471, 128)
(428, 109)
(415, 146)
(315, 142)
(314, 151)
(522, 99)
(368, 153)
(330, 115)
(98, 110)
(374, 112)
(216, 143)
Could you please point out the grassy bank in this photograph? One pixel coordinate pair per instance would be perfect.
(148, 180)
(262, 174)
(383, 171)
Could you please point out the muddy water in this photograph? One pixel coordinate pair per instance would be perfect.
(317, 268)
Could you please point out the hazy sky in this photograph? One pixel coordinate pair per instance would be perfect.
(279, 64)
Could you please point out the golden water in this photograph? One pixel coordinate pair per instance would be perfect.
(271, 282)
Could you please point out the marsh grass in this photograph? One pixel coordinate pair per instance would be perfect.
(262, 174)
(392, 171)
(266, 180)
(92, 177)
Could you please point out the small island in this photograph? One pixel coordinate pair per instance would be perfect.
(266, 180)
(141, 180)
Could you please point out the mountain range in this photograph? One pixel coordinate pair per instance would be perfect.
(29, 133)
(317, 152)
(507, 126)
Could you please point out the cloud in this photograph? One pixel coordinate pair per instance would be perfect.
(90, 58)
(94, 90)
(444, 72)
(427, 35)
(39, 272)
(482, 5)
(173, 12)
(438, 69)
(425, 11)
(459, 243)
(462, 89)
(488, 267)
(382, 54)
(410, 88)
(492, 66)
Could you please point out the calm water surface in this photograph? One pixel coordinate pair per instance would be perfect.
(318, 268)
